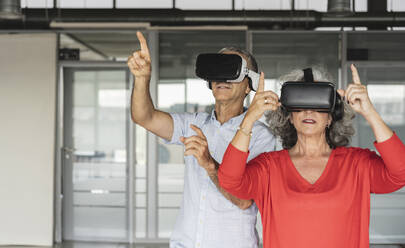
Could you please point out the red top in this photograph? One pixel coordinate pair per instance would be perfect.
(332, 212)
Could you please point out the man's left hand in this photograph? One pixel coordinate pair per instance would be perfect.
(197, 146)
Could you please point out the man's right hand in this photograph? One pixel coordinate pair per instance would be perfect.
(139, 62)
(143, 112)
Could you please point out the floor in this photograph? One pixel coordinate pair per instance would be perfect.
(69, 244)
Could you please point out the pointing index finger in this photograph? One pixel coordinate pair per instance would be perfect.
(355, 75)
(260, 87)
(197, 130)
(143, 43)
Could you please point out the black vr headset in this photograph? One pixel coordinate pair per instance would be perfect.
(231, 68)
(307, 94)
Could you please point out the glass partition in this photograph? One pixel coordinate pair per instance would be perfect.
(278, 53)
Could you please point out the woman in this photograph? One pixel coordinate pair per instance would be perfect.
(315, 192)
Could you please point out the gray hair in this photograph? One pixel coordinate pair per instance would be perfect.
(250, 59)
(339, 132)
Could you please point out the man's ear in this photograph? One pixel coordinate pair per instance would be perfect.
(247, 91)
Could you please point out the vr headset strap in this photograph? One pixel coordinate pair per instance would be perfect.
(308, 76)
(254, 77)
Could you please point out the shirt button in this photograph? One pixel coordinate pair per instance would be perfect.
(201, 221)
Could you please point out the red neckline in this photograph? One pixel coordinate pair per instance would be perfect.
(302, 179)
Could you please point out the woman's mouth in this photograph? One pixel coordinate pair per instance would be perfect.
(309, 121)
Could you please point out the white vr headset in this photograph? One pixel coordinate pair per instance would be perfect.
(230, 68)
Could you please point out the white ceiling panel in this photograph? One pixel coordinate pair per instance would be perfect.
(207, 4)
(361, 5)
(37, 3)
(262, 4)
(397, 5)
(164, 4)
(318, 5)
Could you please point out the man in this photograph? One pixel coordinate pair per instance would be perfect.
(209, 216)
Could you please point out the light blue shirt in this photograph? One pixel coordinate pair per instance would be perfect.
(206, 218)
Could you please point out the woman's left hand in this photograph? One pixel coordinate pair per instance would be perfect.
(264, 100)
(357, 96)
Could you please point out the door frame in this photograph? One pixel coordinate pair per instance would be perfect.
(61, 151)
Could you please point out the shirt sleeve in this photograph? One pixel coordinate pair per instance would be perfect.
(387, 173)
(181, 121)
(245, 181)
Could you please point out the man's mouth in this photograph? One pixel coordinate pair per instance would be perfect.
(223, 86)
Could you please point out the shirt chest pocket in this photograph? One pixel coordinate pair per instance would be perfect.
(218, 201)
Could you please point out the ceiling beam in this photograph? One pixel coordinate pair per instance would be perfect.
(254, 19)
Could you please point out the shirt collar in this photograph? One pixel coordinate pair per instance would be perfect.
(233, 121)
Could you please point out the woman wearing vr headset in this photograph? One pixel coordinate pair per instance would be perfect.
(315, 192)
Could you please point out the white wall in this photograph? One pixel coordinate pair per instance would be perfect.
(27, 127)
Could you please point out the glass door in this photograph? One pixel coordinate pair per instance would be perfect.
(96, 158)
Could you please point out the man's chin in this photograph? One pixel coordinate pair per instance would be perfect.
(227, 100)
(221, 97)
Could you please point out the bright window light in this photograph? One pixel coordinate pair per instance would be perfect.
(112, 98)
(389, 100)
(170, 94)
(198, 92)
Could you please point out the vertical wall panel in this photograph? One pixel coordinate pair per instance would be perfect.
(27, 130)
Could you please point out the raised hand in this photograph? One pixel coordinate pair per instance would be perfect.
(262, 101)
(197, 146)
(139, 62)
(357, 96)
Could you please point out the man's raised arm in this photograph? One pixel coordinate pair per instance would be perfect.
(142, 110)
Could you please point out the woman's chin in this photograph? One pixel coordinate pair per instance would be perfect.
(311, 131)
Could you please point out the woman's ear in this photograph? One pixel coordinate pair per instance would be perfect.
(290, 118)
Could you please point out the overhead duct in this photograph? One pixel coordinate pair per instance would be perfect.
(339, 7)
(10, 9)
(265, 19)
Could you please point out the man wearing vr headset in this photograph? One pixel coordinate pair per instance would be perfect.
(316, 192)
(209, 216)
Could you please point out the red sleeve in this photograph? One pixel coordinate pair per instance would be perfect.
(387, 173)
(245, 181)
